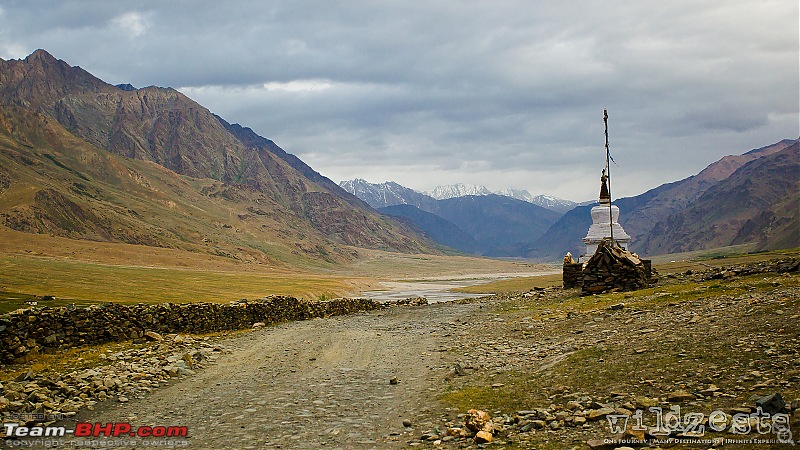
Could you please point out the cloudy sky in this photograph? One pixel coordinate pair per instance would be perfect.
(501, 93)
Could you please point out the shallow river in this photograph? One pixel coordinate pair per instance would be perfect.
(438, 289)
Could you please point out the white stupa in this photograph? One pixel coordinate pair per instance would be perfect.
(603, 221)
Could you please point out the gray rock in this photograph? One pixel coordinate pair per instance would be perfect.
(771, 404)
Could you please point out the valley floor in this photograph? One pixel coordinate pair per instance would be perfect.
(547, 365)
(68, 271)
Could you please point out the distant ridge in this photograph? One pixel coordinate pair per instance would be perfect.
(490, 224)
(386, 194)
(457, 190)
(389, 193)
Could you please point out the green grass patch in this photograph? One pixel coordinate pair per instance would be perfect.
(515, 394)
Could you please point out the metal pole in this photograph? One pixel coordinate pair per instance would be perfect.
(608, 168)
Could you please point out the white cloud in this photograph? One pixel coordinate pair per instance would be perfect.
(466, 91)
(134, 24)
(298, 85)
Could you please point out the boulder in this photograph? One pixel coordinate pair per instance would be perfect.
(483, 437)
(477, 420)
(771, 404)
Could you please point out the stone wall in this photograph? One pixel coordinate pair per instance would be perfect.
(48, 329)
(652, 275)
(572, 275)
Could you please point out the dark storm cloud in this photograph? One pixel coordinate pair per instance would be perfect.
(502, 93)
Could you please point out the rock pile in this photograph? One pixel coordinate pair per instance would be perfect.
(784, 265)
(45, 330)
(410, 301)
(613, 268)
(119, 376)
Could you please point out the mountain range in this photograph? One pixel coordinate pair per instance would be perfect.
(379, 195)
(749, 198)
(88, 160)
(475, 221)
(85, 159)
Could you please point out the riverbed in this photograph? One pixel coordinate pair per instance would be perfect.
(439, 289)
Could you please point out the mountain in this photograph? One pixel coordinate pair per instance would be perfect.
(463, 190)
(149, 131)
(391, 193)
(674, 197)
(498, 223)
(249, 138)
(457, 190)
(670, 217)
(386, 194)
(495, 225)
(440, 230)
(486, 224)
(759, 202)
(543, 200)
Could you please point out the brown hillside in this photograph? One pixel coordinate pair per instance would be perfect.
(53, 183)
(677, 196)
(163, 126)
(757, 203)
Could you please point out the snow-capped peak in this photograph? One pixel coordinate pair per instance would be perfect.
(457, 190)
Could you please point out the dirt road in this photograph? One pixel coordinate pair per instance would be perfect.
(322, 383)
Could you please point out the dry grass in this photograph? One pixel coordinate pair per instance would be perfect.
(398, 266)
(521, 284)
(82, 282)
(682, 262)
(85, 272)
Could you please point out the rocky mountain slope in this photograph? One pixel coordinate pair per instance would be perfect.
(741, 198)
(759, 202)
(158, 133)
(54, 183)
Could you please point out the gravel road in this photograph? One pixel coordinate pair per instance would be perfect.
(323, 383)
